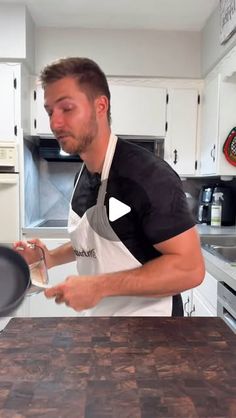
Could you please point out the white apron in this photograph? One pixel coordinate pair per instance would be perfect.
(96, 254)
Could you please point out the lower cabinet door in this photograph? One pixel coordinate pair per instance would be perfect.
(201, 307)
(3, 322)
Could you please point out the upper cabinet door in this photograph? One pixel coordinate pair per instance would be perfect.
(138, 110)
(42, 119)
(182, 116)
(210, 126)
(8, 130)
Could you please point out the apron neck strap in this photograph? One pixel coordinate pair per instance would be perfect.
(106, 168)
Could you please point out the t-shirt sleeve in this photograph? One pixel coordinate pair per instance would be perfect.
(166, 212)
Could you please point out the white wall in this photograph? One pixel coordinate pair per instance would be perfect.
(16, 34)
(30, 41)
(119, 52)
(211, 49)
(12, 31)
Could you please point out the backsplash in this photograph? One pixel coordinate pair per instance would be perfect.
(56, 187)
(50, 184)
(31, 184)
(193, 185)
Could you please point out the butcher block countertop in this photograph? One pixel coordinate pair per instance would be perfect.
(117, 368)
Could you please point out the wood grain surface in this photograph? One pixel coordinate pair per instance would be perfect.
(117, 368)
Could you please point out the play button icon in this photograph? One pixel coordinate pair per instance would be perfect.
(117, 209)
(109, 220)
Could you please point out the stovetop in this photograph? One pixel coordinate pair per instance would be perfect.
(53, 223)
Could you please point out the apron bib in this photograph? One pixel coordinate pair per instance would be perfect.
(96, 254)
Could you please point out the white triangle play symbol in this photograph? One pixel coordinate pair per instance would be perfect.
(117, 209)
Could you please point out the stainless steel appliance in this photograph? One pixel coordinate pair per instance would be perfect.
(226, 304)
(50, 150)
(9, 193)
(205, 202)
(204, 206)
(151, 143)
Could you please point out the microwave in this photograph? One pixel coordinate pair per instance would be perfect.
(49, 148)
(153, 144)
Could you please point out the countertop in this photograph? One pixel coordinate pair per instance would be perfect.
(217, 267)
(216, 230)
(117, 368)
(56, 232)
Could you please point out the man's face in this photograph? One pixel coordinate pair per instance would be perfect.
(72, 116)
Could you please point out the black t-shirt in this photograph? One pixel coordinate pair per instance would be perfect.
(151, 188)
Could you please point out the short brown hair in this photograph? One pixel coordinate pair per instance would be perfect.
(89, 75)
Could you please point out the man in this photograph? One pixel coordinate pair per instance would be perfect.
(138, 264)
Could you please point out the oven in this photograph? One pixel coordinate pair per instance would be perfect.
(9, 194)
(226, 304)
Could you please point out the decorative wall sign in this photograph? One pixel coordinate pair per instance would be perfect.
(227, 19)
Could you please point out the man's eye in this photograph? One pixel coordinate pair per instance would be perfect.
(67, 109)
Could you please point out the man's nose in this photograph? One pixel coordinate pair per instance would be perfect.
(56, 121)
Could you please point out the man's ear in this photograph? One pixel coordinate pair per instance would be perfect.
(101, 104)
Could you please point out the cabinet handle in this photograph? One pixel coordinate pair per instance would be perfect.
(185, 306)
(213, 152)
(193, 310)
(175, 156)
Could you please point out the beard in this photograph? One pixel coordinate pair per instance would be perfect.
(75, 144)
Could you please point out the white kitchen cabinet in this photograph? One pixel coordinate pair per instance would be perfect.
(4, 321)
(39, 304)
(134, 110)
(138, 110)
(227, 121)
(9, 207)
(200, 306)
(218, 116)
(40, 119)
(8, 84)
(14, 102)
(202, 300)
(210, 125)
(181, 138)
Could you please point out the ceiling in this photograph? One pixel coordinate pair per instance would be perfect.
(185, 15)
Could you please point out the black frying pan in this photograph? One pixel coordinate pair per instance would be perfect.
(14, 280)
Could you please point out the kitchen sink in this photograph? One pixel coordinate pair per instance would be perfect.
(223, 247)
(227, 253)
(219, 240)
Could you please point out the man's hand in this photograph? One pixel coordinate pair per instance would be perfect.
(30, 254)
(77, 292)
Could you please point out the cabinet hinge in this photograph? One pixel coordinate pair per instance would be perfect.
(198, 99)
(35, 124)
(167, 98)
(196, 165)
(15, 130)
(166, 126)
(35, 95)
(15, 83)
